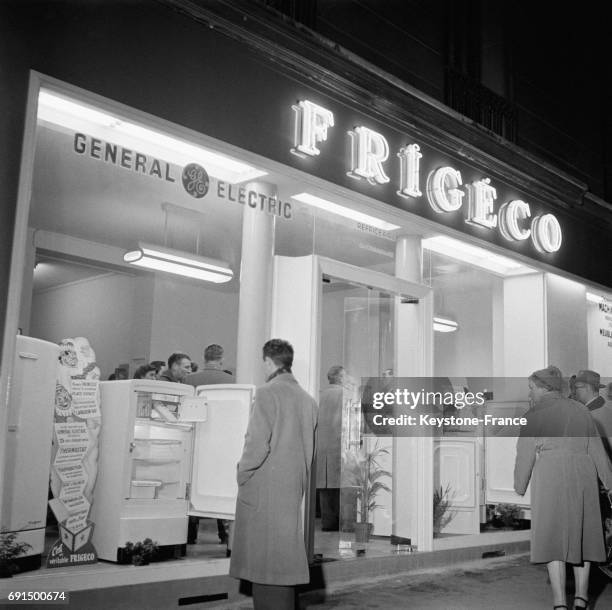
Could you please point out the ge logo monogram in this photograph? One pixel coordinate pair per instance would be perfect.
(195, 180)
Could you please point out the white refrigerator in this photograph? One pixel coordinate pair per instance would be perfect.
(29, 437)
(167, 451)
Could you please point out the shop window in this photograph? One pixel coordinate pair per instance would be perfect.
(335, 227)
(474, 291)
(599, 332)
(103, 186)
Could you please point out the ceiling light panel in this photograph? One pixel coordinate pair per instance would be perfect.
(460, 251)
(79, 117)
(445, 325)
(340, 210)
(179, 263)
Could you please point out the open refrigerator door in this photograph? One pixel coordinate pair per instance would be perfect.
(218, 445)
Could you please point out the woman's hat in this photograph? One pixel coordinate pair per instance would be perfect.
(590, 377)
(551, 376)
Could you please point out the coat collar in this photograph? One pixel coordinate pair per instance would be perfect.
(548, 400)
(333, 386)
(285, 376)
(596, 403)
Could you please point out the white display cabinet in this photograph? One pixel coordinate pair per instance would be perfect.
(165, 453)
(28, 446)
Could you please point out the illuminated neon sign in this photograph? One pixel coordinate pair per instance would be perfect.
(445, 190)
(311, 124)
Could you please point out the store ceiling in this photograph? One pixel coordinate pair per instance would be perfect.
(51, 273)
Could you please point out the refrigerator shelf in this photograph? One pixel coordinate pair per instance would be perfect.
(158, 423)
(158, 441)
(157, 460)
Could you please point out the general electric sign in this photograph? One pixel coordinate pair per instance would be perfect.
(444, 188)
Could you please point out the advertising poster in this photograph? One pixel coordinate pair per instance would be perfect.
(75, 453)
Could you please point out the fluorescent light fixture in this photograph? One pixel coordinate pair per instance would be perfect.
(79, 117)
(458, 250)
(444, 325)
(594, 298)
(334, 208)
(179, 263)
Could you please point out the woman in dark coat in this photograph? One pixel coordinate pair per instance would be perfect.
(560, 450)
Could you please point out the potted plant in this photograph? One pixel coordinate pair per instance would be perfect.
(442, 514)
(363, 472)
(9, 551)
(140, 553)
(508, 514)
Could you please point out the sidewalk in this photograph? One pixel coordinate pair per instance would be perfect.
(505, 583)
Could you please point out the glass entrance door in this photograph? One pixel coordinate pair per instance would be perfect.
(358, 320)
(353, 467)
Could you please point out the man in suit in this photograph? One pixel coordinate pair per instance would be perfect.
(213, 372)
(587, 385)
(179, 366)
(273, 474)
(329, 431)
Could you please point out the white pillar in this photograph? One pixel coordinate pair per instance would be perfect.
(255, 305)
(412, 457)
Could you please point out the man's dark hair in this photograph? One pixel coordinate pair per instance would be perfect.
(158, 365)
(176, 357)
(142, 370)
(334, 374)
(280, 352)
(213, 353)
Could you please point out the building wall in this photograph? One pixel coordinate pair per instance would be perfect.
(566, 320)
(467, 298)
(524, 325)
(509, 47)
(407, 39)
(102, 309)
(188, 316)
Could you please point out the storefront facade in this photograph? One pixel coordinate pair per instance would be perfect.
(353, 214)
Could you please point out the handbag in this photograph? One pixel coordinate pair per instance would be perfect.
(606, 567)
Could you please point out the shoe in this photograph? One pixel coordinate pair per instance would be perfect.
(581, 607)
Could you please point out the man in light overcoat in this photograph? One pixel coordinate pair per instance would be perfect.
(273, 472)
